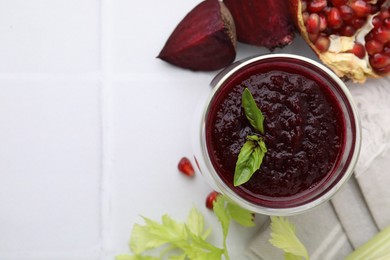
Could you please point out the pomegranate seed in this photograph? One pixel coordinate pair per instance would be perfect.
(379, 60)
(303, 5)
(322, 43)
(376, 22)
(323, 23)
(386, 23)
(384, 70)
(381, 34)
(346, 12)
(373, 47)
(210, 199)
(339, 2)
(369, 37)
(384, 14)
(305, 16)
(347, 30)
(386, 51)
(185, 167)
(374, 9)
(358, 23)
(313, 23)
(361, 8)
(316, 6)
(334, 18)
(313, 37)
(358, 50)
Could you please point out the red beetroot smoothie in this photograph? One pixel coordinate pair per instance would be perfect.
(304, 131)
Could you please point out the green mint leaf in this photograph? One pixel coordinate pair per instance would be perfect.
(241, 216)
(252, 111)
(283, 236)
(249, 159)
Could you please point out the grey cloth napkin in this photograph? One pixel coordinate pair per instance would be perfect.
(362, 207)
(319, 230)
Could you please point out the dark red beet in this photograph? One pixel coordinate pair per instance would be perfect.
(262, 22)
(204, 40)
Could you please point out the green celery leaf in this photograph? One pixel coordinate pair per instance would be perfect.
(283, 236)
(222, 214)
(249, 160)
(143, 239)
(195, 222)
(177, 257)
(135, 257)
(289, 256)
(173, 229)
(252, 111)
(241, 216)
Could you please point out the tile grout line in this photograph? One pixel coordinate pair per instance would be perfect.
(106, 79)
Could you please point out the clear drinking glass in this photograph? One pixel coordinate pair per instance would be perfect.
(318, 194)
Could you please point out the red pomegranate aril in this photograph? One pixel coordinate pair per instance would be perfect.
(358, 50)
(303, 6)
(313, 23)
(386, 23)
(386, 51)
(339, 2)
(347, 30)
(361, 8)
(376, 21)
(384, 70)
(316, 6)
(185, 167)
(210, 199)
(381, 34)
(374, 9)
(305, 16)
(384, 14)
(379, 60)
(313, 37)
(323, 23)
(373, 47)
(334, 18)
(322, 43)
(358, 23)
(346, 12)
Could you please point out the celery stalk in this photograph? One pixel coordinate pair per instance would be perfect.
(377, 247)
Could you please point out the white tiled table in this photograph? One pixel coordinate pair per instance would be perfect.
(92, 126)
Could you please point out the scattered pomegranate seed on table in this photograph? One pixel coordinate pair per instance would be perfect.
(185, 167)
(210, 199)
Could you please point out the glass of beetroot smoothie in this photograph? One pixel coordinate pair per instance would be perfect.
(311, 132)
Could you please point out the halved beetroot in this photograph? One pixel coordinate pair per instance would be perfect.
(265, 23)
(204, 40)
(352, 37)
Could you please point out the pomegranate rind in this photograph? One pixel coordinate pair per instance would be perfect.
(205, 39)
(344, 64)
(265, 23)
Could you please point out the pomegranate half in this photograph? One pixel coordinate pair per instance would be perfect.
(352, 37)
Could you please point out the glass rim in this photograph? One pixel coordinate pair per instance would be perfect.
(218, 81)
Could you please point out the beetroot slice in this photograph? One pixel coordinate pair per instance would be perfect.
(265, 23)
(204, 40)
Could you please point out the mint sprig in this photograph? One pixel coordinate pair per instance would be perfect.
(254, 149)
(252, 111)
(249, 159)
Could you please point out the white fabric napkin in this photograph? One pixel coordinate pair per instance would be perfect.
(362, 207)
